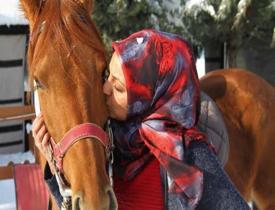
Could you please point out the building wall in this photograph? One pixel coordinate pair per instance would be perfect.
(214, 56)
(12, 62)
(255, 55)
(259, 57)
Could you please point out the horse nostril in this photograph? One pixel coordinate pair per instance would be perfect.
(113, 201)
(77, 203)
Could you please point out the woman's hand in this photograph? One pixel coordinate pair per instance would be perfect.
(41, 138)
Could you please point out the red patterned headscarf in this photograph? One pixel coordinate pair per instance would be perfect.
(163, 109)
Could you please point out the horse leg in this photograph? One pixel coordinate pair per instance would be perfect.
(264, 186)
(52, 204)
(241, 163)
(254, 206)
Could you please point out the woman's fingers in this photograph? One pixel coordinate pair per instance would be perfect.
(41, 137)
(40, 134)
(44, 146)
(37, 123)
(45, 140)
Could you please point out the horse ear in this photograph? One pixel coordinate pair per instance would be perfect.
(30, 7)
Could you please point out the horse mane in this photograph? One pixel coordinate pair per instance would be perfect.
(63, 24)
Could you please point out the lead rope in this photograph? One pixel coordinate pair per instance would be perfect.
(64, 190)
(110, 152)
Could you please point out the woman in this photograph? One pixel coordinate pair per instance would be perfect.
(154, 101)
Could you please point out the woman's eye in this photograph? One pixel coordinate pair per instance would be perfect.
(105, 75)
(119, 88)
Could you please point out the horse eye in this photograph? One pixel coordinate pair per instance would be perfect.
(37, 85)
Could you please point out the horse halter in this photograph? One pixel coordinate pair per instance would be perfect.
(58, 151)
(77, 133)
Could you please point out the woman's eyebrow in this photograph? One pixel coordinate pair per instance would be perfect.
(117, 79)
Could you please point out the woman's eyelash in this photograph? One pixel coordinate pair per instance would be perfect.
(118, 88)
(105, 75)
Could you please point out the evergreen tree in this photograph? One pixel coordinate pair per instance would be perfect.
(117, 19)
(235, 22)
(200, 21)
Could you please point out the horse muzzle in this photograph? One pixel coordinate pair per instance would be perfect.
(79, 203)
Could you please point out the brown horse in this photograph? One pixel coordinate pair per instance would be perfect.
(66, 59)
(247, 104)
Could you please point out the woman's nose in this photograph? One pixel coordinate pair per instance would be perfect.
(107, 88)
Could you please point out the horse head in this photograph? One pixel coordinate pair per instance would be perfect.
(66, 59)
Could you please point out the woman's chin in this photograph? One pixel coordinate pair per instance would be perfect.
(118, 117)
(113, 115)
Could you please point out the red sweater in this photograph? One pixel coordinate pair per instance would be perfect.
(144, 192)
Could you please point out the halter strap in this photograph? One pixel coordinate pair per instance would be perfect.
(85, 130)
(57, 151)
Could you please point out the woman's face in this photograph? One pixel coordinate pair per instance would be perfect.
(115, 90)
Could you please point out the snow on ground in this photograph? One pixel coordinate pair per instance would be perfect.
(7, 195)
(11, 14)
(7, 188)
(200, 65)
(16, 158)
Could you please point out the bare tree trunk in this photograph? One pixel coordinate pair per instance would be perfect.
(232, 55)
